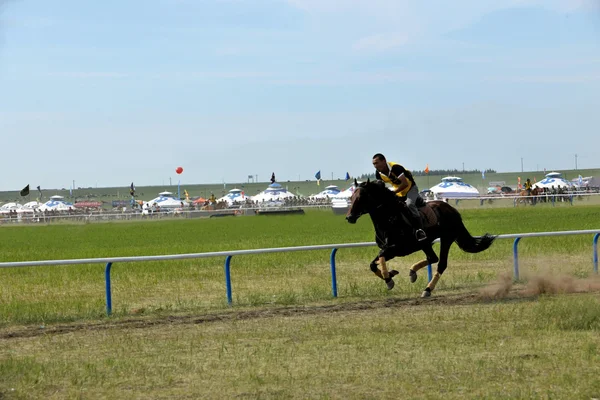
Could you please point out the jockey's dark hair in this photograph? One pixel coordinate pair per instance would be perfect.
(379, 156)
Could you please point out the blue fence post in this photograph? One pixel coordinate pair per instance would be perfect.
(108, 291)
(333, 275)
(595, 243)
(228, 278)
(516, 258)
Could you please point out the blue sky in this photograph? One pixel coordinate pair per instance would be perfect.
(105, 93)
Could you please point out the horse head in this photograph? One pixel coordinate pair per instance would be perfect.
(367, 197)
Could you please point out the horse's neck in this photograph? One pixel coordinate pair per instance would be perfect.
(382, 215)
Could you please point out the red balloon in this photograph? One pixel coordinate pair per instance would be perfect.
(179, 170)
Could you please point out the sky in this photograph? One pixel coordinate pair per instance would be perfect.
(106, 93)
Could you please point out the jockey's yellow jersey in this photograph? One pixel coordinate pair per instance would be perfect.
(395, 171)
(527, 185)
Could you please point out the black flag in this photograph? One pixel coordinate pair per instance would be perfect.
(273, 177)
(132, 189)
(25, 191)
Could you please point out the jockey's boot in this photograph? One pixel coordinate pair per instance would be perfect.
(418, 227)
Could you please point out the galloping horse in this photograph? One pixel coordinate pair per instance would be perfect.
(531, 198)
(395, 237)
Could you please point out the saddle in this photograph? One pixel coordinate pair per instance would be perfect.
(428, 215)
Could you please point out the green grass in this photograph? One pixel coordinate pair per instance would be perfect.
(494, 350)
(172, 334)
(69, 293)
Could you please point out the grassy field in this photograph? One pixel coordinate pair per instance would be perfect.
(173, 335)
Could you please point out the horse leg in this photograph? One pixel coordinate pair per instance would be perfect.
(383, 273)
(431, 259)
(445, 244)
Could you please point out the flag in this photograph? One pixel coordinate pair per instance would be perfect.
(318, 177)
(25, 190)
(187, 196)
(426, 168)
(519, 182)
(482, 174)
(534, 180)
(39, 190)
(132, 189)
(71, 191)
(347, 176)
(580, 180)
(273, 177)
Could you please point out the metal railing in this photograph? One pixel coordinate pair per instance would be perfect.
(109, 261)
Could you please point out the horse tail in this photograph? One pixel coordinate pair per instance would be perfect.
(452, 226)
(471, 244)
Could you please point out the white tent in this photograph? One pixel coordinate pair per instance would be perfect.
(32, 205)
(275, 193)
(56, 203)
(553, 179)
(585, 182)
(9, 207)
(454, 187)
(29, 207)
(329, 192)
(345, 194)
(234, 196)
(165, 200)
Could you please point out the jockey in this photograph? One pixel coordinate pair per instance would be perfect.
(528, 187)
(404, 185)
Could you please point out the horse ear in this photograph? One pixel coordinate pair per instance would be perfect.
(368, 181)
(355, 182)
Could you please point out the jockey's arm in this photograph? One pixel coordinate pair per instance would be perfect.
(403, 183)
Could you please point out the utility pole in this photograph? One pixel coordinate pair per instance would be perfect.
(521, 164)
(463, 167)
(575, 162)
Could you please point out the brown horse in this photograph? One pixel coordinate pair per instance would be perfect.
(525, 197)
(395, 238)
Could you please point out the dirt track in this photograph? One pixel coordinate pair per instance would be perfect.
(151, 321)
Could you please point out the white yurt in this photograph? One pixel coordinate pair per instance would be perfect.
(453, 187)
(56, 203)
(10, 206)
(345, 194)
(165, 200)
(274, 193)
(329, 192)
(234, 196)
(29, 208)
(553, 179)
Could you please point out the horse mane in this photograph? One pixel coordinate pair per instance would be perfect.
(378, 190)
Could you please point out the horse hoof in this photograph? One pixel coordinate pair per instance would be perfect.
(426, 293)
(413, 276)
(390, 283)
